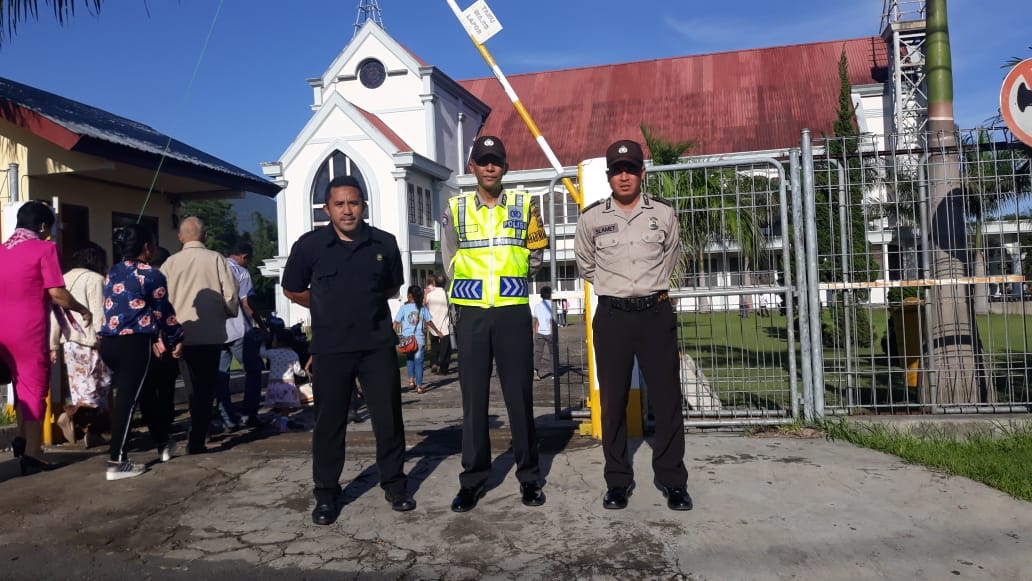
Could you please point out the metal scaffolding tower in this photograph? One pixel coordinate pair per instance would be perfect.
(368, 10)
(904, 30)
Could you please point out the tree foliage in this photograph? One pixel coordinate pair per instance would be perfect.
(264, 240)
(842, 246)
(220, 221)
(661, 151)
(14, 12)
(715, 206)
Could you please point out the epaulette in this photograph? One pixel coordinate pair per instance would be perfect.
(592, 205)
(661, 200)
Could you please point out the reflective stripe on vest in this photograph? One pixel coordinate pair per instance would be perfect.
(492, 260)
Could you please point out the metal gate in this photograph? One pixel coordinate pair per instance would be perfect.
(842, 277)
(732, 291)
(918, 286)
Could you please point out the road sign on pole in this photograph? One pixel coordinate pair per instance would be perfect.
(1016, 101)
(490, 27)
(480, 22)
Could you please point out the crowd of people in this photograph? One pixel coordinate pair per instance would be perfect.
(124, 333)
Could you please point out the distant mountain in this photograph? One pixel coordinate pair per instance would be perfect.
(253, 203)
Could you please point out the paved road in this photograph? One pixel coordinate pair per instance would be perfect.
(766, 508)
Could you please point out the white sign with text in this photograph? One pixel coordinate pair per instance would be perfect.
(480, 22)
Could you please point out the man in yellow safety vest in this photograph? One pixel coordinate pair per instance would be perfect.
(492, 243)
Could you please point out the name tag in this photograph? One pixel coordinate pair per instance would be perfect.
(607, 229)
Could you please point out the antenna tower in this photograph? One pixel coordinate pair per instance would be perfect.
(904, 31)
(368, 10)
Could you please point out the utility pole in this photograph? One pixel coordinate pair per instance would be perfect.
(956, 349)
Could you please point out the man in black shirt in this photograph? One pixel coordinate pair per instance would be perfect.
(345, 272)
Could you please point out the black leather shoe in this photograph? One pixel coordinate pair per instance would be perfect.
(467, 499)
(532, 494)
(677, 498)
(400, 502)
(616, 497)
(325, 513)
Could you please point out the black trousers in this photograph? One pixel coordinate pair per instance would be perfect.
(505, 335)
(128, 357)
(651, 335)
(333, 377)
(157, 400)
(200, 370)
(440, 348)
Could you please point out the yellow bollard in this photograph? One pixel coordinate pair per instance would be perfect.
(906, 321)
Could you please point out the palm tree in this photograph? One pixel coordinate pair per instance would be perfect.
(14, 12)
(715, 206)
(992, 182)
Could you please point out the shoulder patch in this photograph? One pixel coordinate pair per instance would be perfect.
(660, 200)
(592, 205)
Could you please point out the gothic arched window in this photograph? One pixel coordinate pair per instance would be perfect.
(337, 164)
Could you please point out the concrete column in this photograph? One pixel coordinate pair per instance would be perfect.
(401, 180)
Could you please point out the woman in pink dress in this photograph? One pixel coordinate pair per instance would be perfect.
(32, 283)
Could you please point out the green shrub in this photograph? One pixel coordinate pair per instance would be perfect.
(833, 332)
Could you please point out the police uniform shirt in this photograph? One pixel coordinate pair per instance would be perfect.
(450, 237)
(628, 254)
(350, 283)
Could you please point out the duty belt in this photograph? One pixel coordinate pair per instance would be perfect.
(634, 303)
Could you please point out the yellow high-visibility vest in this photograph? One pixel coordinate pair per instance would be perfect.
(492, 259)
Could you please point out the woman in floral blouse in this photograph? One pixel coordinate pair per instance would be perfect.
(138, 319)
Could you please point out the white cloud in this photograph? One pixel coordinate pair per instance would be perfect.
(773, 24)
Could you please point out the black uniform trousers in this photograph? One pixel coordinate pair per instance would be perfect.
(200, 369)
(651, 335)
(505, 335)
(333, 382)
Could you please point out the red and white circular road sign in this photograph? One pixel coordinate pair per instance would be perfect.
(1016, 101)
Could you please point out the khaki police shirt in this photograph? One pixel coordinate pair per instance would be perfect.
(628, 254)
(450, 237)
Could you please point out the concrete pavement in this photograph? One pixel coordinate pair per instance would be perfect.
(766, 508)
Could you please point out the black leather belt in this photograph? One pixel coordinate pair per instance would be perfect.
(634, 303)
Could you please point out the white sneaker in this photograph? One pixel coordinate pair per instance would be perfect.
(169, 451)
(124, 469)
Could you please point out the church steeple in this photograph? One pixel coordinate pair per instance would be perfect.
(368, 10)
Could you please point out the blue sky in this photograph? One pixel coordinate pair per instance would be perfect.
(244, 97)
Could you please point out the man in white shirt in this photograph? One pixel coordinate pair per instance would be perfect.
(543, 334)
(242, 344)
(437, 302)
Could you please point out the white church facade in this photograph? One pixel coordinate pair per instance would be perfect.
(404, 129)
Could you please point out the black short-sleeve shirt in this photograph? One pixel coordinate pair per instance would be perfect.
(349, 284)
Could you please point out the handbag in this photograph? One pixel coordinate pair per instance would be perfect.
(408, 343)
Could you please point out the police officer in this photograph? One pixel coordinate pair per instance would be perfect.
(627, 245)
(345, 272)
(493, 241)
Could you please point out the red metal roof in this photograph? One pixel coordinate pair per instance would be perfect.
(726, 102)
(382, 127)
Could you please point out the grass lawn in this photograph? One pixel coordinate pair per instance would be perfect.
(1000, 461)
(746, 359)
